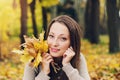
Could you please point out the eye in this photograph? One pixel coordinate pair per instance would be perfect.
(63, 38)
(50, 36)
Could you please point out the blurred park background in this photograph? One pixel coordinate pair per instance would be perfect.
(99, 19)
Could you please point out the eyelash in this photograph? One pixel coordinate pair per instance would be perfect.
(61, 38)
(51, 36)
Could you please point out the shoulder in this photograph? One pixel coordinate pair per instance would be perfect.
(82, 56)
(83, 62)
(83, 70)
(36, 70)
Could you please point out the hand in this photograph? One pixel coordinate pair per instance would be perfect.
(46, 60)
(67, 56)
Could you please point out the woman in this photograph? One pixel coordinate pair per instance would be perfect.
(63, 38)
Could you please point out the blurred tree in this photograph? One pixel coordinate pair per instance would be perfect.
(92, 21)
(67, 8)
(46, 4)
(103, 17)
(53, 10)
(3, 38)
(113, 25)
(44, 18)
(23, 5)
(118, 4)
(0, 52)
(77, 7)
(34, 25)
(14, 5)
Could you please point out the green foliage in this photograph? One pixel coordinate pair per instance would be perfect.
(49, 3)
(118, 4)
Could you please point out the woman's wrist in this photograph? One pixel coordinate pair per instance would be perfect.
(67, 68)
(64, 64)
(46, 72)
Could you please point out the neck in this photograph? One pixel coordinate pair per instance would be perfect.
(58, 60)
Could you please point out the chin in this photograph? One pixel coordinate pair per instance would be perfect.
(56, 56)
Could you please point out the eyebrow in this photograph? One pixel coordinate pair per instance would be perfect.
(60, 34)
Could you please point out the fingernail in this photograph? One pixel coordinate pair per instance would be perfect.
(64, 56)
(71, 47)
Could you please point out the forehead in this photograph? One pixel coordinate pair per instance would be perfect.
(59, 28)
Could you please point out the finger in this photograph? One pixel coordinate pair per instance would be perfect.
(48, 57)
(50, 60)
(45, 55)
(31, 52)
(71, 51)
(65, 54)
(71, 48)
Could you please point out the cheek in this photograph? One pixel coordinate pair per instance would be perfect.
(65, 46)
(48, 42)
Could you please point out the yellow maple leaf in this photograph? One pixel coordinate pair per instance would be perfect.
(33, 48)
(37, 60)
(17, 51)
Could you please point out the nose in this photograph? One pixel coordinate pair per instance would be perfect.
(55, 42)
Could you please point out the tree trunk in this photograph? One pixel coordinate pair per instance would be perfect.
(14, 4)
(53, 12)
(34, 25)
(44, 18)
(23, 5)
(0, 51)
(113, 26)
(77, 8)
(92, 21)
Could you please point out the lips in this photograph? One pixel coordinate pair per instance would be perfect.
(54, 49)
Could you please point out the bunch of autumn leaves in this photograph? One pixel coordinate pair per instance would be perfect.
(33, 49)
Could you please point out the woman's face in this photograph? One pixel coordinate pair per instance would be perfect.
(58, 39)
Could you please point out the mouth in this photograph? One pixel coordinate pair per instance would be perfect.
(54, 50)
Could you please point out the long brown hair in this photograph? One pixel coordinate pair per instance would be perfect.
(75, 36)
